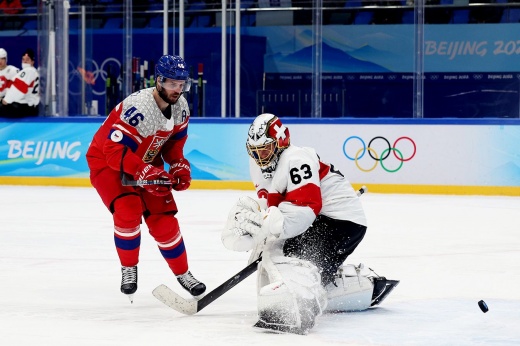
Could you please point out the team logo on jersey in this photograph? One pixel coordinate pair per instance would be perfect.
(116, 136)
(154, 148)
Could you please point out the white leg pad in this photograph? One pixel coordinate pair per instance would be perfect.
(289, 291)
(279, 303)
(351, 291)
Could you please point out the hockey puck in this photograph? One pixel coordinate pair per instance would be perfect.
(483, 306)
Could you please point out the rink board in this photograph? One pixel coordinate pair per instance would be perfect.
(399, 156)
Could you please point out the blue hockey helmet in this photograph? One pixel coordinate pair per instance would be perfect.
(173, 67)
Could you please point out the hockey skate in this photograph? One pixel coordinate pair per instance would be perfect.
(190, 284)
(129, 281)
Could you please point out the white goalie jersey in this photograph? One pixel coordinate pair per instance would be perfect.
(303, 187)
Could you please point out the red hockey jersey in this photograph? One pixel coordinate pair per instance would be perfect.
(138, 123)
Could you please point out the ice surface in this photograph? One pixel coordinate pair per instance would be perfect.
(60, 276)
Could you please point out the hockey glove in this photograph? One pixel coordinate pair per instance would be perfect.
(244, 220)
(149, 172)
(249, 217)
(181, 171)
(273, 222)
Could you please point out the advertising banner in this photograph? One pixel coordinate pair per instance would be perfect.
(45, 149)
(476, 155)
(390, 48)
(57, 149)
(386, 154)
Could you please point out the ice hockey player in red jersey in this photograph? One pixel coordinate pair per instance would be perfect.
(146, 130)
(305, 223)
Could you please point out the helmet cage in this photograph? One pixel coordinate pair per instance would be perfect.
(267, 139)
(263, 154)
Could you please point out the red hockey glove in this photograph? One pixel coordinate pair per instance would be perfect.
(149, 172)
(181, 171)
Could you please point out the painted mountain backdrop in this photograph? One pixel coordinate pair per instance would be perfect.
(204, 167)
(333, 60)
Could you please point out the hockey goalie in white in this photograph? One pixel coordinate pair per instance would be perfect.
(306, 221)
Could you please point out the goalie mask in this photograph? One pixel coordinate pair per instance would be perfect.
(266, 140)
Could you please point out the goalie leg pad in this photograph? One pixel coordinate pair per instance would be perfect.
(349, 294)
(277, 305)
(293, 296)
(280, 310)
(352, 290)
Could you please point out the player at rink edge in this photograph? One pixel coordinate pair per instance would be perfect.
(146, 130)
(306, 221)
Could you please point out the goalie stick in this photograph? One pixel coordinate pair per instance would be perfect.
(191, 306)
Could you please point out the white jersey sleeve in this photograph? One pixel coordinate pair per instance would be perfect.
(340, 200)
(25, 88)
(6, 79)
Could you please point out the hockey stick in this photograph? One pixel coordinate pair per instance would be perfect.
(190, 306)
(128, 182)
(362, 190)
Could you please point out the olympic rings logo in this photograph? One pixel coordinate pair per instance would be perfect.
(99, 75)
(385, 153)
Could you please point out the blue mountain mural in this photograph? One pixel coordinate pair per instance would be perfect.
(204, 167)
(197, 173)
(333, 60)
(368, 52)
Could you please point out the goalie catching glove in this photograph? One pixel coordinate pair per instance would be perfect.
(181, 171)
(248, 224)
(150, 172)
